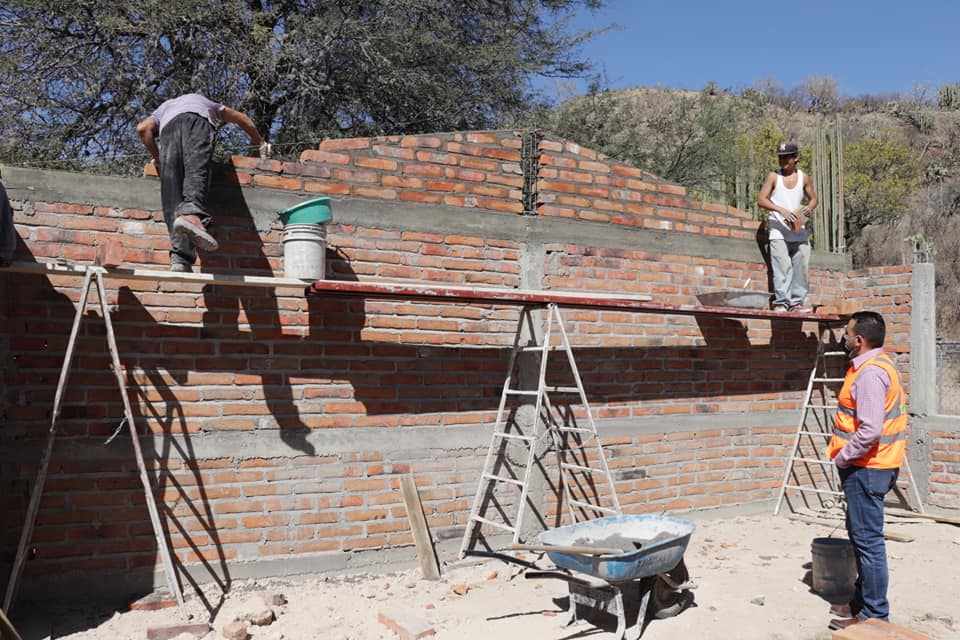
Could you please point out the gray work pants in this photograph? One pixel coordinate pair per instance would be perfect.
(186, 148)
(790, 262)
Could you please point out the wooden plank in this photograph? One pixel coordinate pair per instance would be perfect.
(7, 632)
(896, 537)
(874, 629)
(37, 491)
(157, 275)
(426, 554)
(900, 513)
(571, 299)
(423, 291)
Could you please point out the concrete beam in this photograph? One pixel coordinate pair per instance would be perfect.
(406, 441)
(923, 342)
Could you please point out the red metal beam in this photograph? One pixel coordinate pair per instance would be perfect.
(520, 297)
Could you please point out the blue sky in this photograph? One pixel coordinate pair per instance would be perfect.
(883, 46)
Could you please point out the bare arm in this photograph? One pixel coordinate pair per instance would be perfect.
(764, 201)
(147, 130)
(243, 121)
(809, 192)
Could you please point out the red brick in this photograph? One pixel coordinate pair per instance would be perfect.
(426, 142)
(324, 157)
(509, 207)
(374, 192)
(436, 158)
(276, 182)
(345, 144)
(331, 188)
(424, 170)
(377, 163)
(482, 138)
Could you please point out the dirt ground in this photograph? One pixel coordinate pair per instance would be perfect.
(753, 576)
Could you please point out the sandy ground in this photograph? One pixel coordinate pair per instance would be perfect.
(752, 574)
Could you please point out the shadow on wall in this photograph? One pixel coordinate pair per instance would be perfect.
(92, 510)
(92, 502)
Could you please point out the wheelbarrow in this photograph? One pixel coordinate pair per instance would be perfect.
(650, 563)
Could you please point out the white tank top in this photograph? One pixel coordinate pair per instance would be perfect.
(790, 200)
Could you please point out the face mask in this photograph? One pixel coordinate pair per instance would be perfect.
(846, 346)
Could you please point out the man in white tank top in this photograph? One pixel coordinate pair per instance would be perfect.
(782, 194)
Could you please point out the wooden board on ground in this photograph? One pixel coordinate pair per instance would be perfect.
(896, 537)
(877, 630)
(426, 554)
(924, 516)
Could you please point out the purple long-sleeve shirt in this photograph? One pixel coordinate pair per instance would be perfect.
(869, 391)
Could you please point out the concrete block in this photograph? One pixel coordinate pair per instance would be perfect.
(198, 630)
(407, 626)
(235, 630)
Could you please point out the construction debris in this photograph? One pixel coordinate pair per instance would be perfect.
(406, 626)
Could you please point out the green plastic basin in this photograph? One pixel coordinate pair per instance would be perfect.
(316, 211)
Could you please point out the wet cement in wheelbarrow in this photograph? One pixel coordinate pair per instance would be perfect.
(617, 541)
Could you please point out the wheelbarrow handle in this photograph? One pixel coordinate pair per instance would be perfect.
(532, 575)
(500, 556)
(583, 551)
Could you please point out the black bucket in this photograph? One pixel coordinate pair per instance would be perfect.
(834, 568)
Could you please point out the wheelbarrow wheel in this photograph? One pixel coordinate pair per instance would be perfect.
(666, 601)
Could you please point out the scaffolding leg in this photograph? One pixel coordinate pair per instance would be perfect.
(37, 491)
(171, 575)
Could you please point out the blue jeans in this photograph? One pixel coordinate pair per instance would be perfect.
(864, 490)
(790, 262)
(186, 148)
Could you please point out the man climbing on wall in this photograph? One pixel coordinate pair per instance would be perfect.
(179, 135)
(868, 446)
(782, 195)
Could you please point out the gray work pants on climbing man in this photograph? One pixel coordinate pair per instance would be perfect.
(186, 149)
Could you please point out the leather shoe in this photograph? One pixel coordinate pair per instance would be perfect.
(841, 610)
(842, 623)
(190, 226)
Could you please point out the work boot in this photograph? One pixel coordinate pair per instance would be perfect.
(838, 624)
(189, 225)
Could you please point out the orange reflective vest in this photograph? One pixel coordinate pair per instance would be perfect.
(889, 451)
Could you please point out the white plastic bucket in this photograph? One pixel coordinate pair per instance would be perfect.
(304, 251)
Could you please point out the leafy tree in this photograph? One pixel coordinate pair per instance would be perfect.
(76, 75)
(686, 137)
(820, 92)
(879, 173)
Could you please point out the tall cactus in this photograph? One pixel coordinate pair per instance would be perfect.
(948, 97)
(827, 176)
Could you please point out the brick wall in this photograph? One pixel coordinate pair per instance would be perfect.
(276, 426)
(944, 469)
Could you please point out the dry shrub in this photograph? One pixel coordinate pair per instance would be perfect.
(932, 219)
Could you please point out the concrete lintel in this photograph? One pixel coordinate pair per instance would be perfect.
(419, 440)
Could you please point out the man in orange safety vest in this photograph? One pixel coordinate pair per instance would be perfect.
(868, 445)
